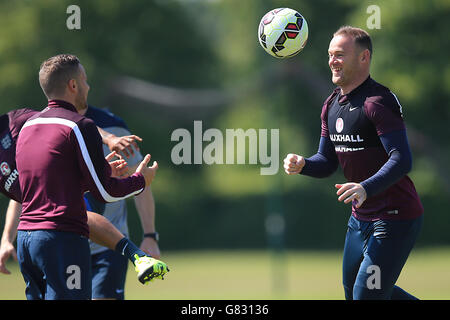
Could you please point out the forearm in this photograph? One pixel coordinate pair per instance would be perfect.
(396, 167)
(111, 189)
(126, 146)
(145, 206)
(106, 136)
(11, 222)
(323, 163)
(97, 171)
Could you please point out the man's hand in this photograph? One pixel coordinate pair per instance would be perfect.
(293, 164)
(351, 191)
(9, 234)
(119, 168)
(122, 145)
(6, 250)
(148, 172)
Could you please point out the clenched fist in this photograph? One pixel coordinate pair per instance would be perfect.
(293, 164)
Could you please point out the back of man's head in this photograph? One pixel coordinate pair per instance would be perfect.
(56, 72)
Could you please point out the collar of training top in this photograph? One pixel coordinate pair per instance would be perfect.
(61, 104)
(343, 98)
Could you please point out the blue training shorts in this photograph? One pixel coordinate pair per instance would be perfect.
(109, 271)
(54, 264)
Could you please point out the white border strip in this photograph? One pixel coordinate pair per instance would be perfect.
(85, 153)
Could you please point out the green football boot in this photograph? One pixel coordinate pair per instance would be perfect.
(149, 269)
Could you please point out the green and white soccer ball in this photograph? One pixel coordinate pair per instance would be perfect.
(283, 32)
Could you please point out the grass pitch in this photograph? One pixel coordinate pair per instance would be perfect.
(260, 275)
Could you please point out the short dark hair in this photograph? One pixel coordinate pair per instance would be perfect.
(360, 36)
(56, 71)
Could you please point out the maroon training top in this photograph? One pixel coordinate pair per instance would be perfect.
(354, 123)
(59, 156)
(10, 125)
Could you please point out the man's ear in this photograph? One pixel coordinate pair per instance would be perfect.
(365, 55)
(72, 85)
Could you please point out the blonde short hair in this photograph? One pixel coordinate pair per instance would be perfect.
(56, 71)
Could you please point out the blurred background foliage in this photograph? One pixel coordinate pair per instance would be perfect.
(160, 65)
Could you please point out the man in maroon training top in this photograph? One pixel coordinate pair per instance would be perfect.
(101, 230)
(59, 157)
(363, 131)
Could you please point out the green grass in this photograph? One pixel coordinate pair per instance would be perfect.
(241, 275)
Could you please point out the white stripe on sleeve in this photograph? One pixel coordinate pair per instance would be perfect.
(85, 153)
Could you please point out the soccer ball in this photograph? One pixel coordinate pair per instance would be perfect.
(283, 32)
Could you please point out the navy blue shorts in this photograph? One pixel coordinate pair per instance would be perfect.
(93, 204)
(374, 255)
(109, 271)
(54, 264)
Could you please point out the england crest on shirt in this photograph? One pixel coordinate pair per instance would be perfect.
(6, 141)
(5, 169)
(339, 125)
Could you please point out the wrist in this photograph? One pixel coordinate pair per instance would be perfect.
(365, 185)
(304, 164)
(107, 139)
(6, 243)
(152, 235)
